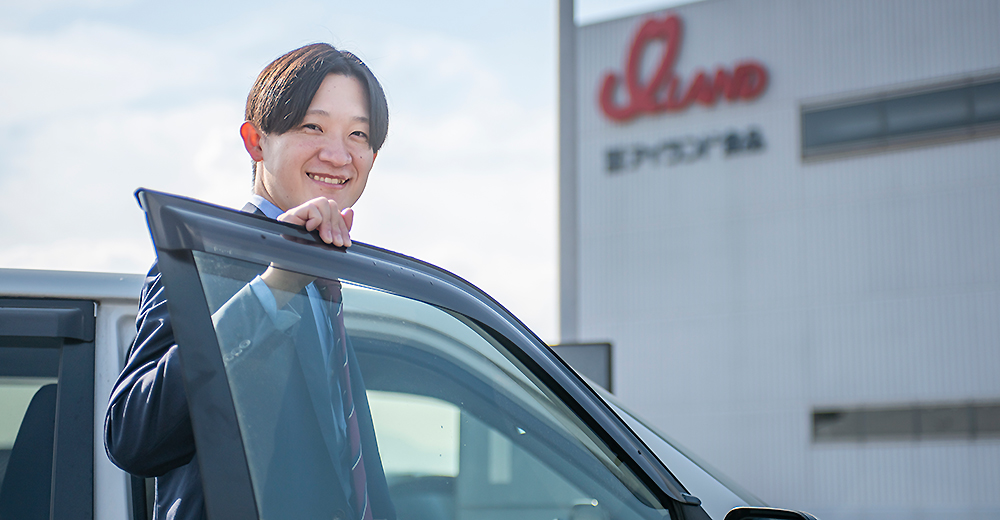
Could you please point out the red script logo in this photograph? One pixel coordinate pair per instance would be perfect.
(662, 92)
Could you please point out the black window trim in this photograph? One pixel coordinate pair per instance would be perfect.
(180, 225)
(68, 327)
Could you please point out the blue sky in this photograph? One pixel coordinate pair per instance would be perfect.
(99, 97)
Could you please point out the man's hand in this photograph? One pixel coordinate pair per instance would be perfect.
(322, 213)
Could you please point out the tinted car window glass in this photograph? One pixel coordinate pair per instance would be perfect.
(16, 394)
(465, 429)
(418, 436)
(46, 408)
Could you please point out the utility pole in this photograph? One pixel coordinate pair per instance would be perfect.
(568, 216)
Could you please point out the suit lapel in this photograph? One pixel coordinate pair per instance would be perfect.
(250, 208)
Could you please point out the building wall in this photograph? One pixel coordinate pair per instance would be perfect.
(743, 292)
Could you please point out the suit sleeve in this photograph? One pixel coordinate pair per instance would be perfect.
(147, 427)
(250, 322)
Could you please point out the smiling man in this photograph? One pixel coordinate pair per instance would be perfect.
(311, 156)
(315, 120)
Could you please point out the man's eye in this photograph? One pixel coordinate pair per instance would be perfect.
(361, 134)
(311, 126)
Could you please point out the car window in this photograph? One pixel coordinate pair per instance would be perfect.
(46, 408)
(418, 436)
(16, 397)
(464, 428)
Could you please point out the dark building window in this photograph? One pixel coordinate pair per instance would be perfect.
(956, 111)
(907, 423)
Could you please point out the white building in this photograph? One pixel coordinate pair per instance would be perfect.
(795, 252)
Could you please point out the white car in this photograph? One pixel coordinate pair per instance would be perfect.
(475, 417)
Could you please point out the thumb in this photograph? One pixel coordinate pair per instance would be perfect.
(348, 215)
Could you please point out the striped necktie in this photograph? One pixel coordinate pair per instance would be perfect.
(330, 291)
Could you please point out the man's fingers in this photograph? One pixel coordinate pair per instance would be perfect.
(329, 223)
(340, 225)
(345, 221)
(348, 215)
(311, 215)
(322, 214)
(345, 230)
(317, 217)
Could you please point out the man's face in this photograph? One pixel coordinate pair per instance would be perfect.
(326, 155)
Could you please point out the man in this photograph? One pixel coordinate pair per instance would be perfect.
(315, 120)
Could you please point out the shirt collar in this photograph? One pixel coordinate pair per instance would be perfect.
(267, 207)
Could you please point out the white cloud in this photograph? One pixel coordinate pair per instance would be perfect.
(91, 66)
(491, 231)
(73, 179)
(81, 254)
(452, 112)
(466, 179)
(35, 7)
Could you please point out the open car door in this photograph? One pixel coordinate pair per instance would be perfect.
(474, 416)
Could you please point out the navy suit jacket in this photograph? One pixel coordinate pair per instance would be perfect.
(148, 426)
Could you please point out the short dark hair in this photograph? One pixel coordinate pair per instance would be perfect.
(284, 89)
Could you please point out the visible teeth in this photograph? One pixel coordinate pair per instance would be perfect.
(328, 180)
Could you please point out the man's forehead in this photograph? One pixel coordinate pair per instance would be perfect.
(323, 113)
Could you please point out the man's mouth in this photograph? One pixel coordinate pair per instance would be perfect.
(329, 180)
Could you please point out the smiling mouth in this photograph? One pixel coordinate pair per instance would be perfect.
(328, 180)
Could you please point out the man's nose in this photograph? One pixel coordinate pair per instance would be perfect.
(335, 152)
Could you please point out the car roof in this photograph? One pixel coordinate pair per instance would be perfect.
(36, 283)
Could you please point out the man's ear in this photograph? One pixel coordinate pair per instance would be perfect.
(374, 155)
(251, 141)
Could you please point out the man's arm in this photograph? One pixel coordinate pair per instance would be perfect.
(147, 427)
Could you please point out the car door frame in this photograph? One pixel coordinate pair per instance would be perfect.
(180, 226)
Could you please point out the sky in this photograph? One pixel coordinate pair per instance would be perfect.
(100, 97)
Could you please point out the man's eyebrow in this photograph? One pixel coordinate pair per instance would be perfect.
(321, 112)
